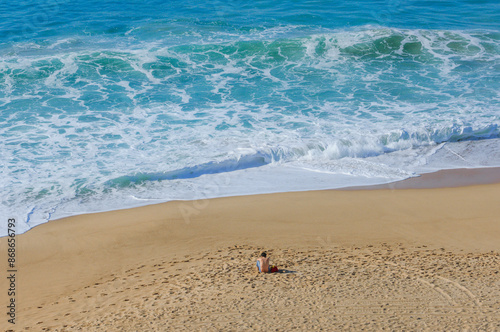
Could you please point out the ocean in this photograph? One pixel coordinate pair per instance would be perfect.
(114, 104)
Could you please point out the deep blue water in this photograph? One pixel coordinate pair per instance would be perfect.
(42, 20)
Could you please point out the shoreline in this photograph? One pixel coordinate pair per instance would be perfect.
(66, 265)
(447, 178)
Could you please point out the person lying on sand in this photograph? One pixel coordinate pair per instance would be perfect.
(263, 264)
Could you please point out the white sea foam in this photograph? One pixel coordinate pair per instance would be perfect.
(93, 130)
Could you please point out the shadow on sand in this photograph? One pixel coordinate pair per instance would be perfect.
(284, 271)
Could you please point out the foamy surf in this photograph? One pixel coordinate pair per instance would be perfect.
(178, 108)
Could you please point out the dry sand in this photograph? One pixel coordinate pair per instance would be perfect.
(415, 259)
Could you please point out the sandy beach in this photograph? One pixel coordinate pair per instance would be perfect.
(421, 259)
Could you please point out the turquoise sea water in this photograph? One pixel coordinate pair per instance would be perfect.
(109, 104)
